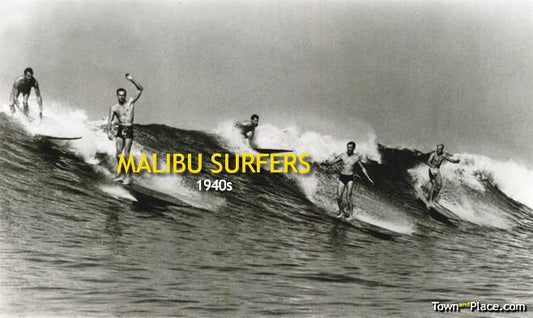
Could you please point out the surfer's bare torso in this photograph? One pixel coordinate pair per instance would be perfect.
(124, 112)
(24, 85)
(435, 161)
(348, 163)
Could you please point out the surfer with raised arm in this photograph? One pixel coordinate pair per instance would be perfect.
(247, 128)
(124, 112)
(23, 85)
(346, 178)
(434, 162)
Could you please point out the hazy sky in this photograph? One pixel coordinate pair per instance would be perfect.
(416, 72)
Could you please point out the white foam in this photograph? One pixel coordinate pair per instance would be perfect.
(174, 185)
(398, 225)
(308, 183)
(513, 179)
(319, 146)
(383, 215)
(477, 212)
(60, 120)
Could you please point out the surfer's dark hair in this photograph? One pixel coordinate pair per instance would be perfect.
(440, 145)
(121, 90)
(351, 143)
(254, 116)
(28, 70)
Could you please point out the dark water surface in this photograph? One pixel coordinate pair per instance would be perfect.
(69, 248)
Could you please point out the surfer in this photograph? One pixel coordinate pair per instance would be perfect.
(346, 178)
(124, 112)
(435, 160)
(23, 84)
(247, 128)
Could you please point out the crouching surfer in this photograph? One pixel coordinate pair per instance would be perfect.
(247, 128)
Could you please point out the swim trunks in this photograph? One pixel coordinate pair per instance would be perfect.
(345, 178)
(433, 172)
(125, 132)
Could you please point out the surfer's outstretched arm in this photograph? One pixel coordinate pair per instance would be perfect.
(332, 162)
(137, 85)
(365, 172)
(450, 158)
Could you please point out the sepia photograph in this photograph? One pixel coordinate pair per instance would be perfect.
(266, 158)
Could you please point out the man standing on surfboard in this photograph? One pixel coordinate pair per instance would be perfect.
(124, 112)
(435, 160)
(248, 128)
(346, 178)
(23, 84)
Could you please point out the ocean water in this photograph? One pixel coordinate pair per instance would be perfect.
(75, 244)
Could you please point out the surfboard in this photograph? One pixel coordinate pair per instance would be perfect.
(144, 194)
(441, 213)
(265, 150)
(435, 210)
(366, 227)
(56, 137)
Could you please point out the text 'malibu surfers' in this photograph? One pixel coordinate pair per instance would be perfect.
(224, 163)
